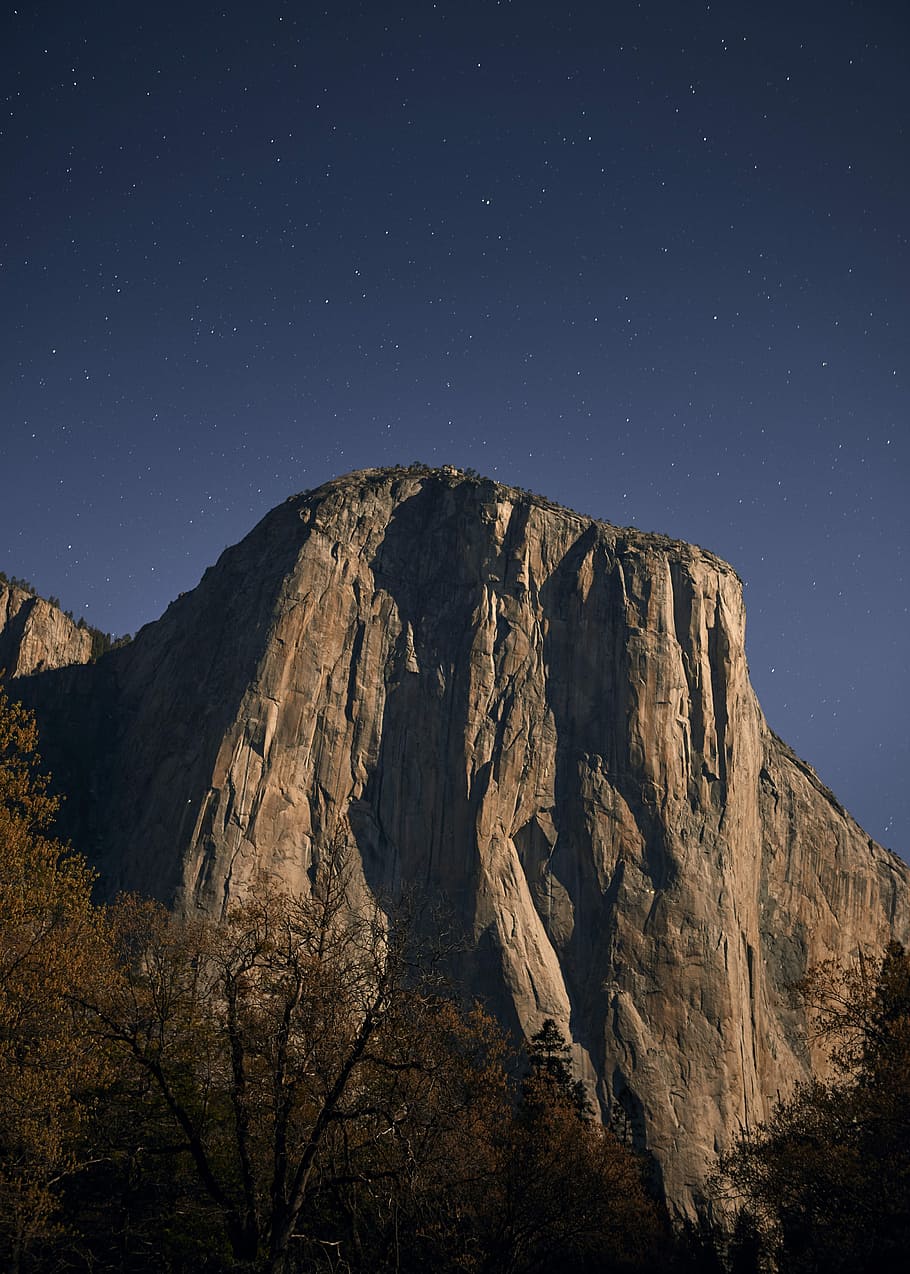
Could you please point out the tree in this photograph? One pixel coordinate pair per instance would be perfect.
(48, 947)
(299, 1054)
(826, 1179)
(550, 1077)
(289, 1088)
(422, 1205)
(568, 1195)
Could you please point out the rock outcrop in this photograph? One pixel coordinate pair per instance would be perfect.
(35, 634)
(543, 719)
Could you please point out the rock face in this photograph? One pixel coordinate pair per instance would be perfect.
(36, 634)
(543, 719)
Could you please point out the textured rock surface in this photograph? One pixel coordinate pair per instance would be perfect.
(35, 634)
(544, 719)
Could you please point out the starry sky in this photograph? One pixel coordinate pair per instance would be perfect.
(648, 259)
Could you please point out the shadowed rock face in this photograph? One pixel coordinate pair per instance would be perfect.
(545, 720)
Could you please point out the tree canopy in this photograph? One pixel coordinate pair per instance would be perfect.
(292, 1087)
(48, 945)
(825, 1182)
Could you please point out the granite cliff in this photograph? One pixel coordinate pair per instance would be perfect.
(36, 634)
(543, 719)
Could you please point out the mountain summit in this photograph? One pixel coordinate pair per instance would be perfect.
(544, 721)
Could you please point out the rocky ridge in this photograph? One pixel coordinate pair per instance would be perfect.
(35, 634)
(546, 721)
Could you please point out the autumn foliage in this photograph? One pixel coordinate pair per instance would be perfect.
(48, 945)
(824, 1185)
(294, 1087)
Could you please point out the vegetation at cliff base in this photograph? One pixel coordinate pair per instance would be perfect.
(824, 1185)
(295, 1087)
(49, 942)
(291, 1088)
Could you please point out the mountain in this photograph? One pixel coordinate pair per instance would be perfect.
(544, 721)
(36, 634)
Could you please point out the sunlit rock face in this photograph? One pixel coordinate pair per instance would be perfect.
(542, 720)
(35, 634)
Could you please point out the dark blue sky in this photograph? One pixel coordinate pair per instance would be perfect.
(648, 259)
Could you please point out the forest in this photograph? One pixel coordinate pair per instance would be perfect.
(297, 1086)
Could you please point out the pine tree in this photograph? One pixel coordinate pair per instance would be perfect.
(550, 1078)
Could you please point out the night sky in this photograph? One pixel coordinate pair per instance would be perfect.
(649, 260)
